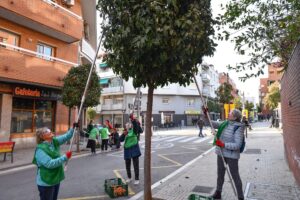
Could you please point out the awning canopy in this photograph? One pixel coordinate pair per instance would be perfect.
(103, 81)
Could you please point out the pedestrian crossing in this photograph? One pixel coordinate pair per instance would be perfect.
(179, 139)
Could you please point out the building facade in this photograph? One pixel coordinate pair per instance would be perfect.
(274, 74)
(40, 41)
(118, 95)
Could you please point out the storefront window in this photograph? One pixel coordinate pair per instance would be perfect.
(29, 114)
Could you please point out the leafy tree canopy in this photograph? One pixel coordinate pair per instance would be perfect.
(224, 93)
(91, 113)
(213, 106)
(249, 106)
(263, 29)
(272, 98)
(238, 103)
(156, 42)
(74, 84)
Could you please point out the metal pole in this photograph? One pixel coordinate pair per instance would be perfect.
(84, 94)
(214, 133)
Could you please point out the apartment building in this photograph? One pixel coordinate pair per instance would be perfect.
(40, 40)
(274, 74)
(225, 78)
(173, 105)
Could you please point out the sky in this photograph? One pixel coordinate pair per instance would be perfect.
(226, 55)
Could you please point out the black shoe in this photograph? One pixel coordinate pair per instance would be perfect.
(217, 195)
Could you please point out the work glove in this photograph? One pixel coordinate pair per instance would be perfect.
(205, 110)
(219, 143)
(76, 125)
(69, 154)
(131, 117)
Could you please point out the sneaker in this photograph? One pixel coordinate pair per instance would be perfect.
(217, 195)
(128, 180)
(136, 182)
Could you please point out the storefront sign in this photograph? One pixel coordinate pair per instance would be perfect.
(192, 112)
(22, 91)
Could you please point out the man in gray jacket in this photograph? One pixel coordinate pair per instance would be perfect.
(229, 142)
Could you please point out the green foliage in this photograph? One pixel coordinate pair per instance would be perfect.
(91, 113)
(238, 104)
(74, 84)
(157, 42)
(213, 106)
(224, 93)
(263, 29)
(272, 98)
(259, 110)
(249, 106)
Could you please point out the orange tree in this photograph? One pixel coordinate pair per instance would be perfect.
(156, 43)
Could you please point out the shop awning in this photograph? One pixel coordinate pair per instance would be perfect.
(103, 81)
(103, 65)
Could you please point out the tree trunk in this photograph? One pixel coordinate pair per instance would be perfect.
(147, 157)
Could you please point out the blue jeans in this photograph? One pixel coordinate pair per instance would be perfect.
(48, 192)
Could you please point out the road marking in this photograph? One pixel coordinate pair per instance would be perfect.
(201, 140)
(172, 161)
(87, 197)
(189, 139)
(177, 138)
(140, 194)
(130, 191)
(159, 138)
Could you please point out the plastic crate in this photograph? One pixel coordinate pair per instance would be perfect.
(199, 197)
(115, 188)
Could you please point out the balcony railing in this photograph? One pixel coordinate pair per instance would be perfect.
(23, 65)
(87, 50)
(205, 77)
(26, 51)
(112, 90)
(108, 107)
(44, 16)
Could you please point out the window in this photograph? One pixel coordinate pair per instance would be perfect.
(29, 114)
(191, 102)
(165, 100)
(45, 50)
(9, 38)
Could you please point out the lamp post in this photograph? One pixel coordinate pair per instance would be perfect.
(123, 118)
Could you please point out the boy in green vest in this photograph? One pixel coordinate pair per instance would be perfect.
(50, 162)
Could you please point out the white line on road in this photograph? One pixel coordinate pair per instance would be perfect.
(177, 138)
(163, 138)
(189, 139)
(201, 140)
(140, 194)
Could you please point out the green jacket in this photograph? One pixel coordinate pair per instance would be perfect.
(55, 175)
(93, 134)
(104, 133)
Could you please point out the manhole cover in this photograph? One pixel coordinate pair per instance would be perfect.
(253, 151)
(202, 189)
(255, 191)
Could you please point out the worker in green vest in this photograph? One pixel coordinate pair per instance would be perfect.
(50, 162)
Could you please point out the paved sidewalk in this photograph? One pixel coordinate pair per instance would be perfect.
(263, 169)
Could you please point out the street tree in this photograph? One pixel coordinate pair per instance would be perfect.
(224, 93)
(272, 98)
(156, 43)
(238, 103)
(264, 30)
(91, 113)
(73, 88)
(249, 106)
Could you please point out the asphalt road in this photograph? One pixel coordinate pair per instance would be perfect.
(85, 175)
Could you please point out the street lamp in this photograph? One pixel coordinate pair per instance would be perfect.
(123, 117)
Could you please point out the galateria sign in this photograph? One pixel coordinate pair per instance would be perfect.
(27, 92)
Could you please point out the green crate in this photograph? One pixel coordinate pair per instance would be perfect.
(110, 186)
(199, 197)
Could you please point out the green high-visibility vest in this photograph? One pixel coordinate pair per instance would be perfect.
(55, 175)
(130, 139)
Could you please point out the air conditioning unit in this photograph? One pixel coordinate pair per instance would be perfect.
(69, 2)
